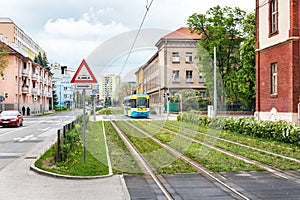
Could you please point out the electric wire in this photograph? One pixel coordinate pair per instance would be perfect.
(137, 34)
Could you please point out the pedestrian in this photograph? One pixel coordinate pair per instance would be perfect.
(28, 111)
(23, 111)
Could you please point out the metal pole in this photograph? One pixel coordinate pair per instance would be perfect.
(84, 128)
(94, 108)
(168, 103)
(215, 82)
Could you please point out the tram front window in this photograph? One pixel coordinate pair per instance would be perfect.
(142, 103)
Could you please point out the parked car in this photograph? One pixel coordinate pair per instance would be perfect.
(11, 118)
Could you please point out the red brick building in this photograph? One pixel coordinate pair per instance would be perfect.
(277, 60)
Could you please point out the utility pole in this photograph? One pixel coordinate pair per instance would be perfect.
(215, 82)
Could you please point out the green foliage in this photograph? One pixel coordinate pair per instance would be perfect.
(192, 100)
(3, 61)
(233, 35)
(105, 111)
(281, 131)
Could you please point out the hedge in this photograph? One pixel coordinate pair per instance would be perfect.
(282, 131)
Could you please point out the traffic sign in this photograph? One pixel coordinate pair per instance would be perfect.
(83, 74)
(2, 98)
(83, 86)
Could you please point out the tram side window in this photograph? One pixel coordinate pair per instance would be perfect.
(132, 103)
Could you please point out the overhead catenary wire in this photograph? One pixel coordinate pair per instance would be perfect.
(137, 34)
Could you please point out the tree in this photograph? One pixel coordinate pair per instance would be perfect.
(42, 60)
(241, 83)
(3, 60)
(230, 32)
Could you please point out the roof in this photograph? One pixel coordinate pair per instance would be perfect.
(182, 33)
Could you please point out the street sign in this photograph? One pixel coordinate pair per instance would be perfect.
(84, 74)
(2, 98)
(83, 86)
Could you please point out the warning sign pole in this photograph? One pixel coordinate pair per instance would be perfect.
(84, 128)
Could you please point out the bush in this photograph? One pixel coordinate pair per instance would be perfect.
(282, 131)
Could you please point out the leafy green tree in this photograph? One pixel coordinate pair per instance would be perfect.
(241, 83)
(42, 60)
(233, 35)
(3, 60)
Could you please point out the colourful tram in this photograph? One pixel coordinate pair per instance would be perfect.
(137, 105)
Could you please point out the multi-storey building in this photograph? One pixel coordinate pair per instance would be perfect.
(18, 39)
(64, 90)
(24, 82)
(109, 87)
(277, 60)
(172, 68)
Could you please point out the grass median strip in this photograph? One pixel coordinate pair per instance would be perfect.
(211, 159)
(161, 159)
(96, 162)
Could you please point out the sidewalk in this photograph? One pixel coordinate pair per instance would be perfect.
(19, 182)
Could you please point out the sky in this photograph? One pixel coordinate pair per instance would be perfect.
(70, 31)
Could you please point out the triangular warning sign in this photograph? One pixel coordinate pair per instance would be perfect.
(83, 74)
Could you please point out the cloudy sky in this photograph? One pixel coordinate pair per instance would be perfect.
(70, 31)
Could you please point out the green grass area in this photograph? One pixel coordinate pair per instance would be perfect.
(161, 159)
(121, 159)
(289, 150)
(96, 162)
(211, 159)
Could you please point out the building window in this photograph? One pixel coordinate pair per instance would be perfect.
(201, 79)
(273, 16)
(274, 78)
(175, 76)
(189, 76)
(175, 57)
(189, 57)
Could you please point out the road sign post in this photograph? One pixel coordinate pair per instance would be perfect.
(83, 78)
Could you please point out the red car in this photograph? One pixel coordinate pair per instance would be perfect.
(11, 118)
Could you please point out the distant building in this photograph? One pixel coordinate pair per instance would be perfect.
(24, 82)
(172, 68)
(109, 87)
(277, 60)
(64, 90)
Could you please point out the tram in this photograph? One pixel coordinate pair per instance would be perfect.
(137, 105)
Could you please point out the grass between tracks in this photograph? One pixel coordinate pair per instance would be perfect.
(281, 148)
(214, 160)
(161, 159)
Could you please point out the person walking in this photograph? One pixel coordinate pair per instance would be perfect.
(28, 111)
(23, 111)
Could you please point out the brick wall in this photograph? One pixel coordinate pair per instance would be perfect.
(283, 101)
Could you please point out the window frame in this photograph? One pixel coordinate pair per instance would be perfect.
(175, 57)
(175, 76)
(273, 17)
(274, 78)
(189, 76)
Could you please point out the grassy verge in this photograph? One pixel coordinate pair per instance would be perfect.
(264, 144)
(211, 159)
(161, 159)
(121, 159)
(95, 165)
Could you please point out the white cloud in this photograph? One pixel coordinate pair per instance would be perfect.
(69, 40)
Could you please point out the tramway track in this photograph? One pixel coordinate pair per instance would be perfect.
(273, 170)
(213, 177)
(143, 163)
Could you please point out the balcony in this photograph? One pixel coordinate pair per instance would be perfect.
(34, 77)
(25, 89)
(25, 72)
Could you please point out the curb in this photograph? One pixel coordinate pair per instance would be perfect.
(54, 175)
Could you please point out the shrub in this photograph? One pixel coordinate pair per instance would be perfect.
(282, 131)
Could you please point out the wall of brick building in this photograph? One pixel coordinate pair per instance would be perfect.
(286, 55)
